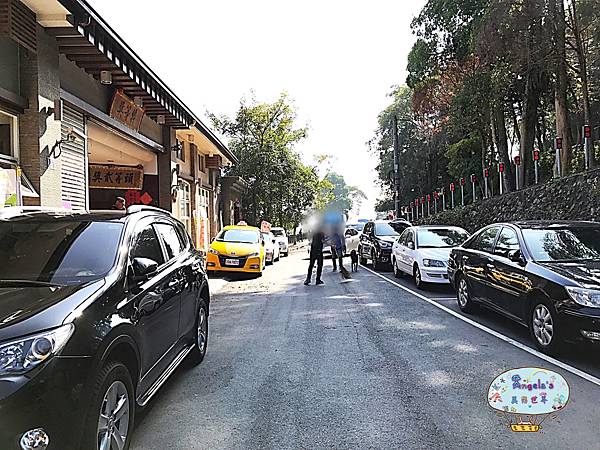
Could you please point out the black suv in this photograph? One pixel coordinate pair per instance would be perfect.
(377, 239)
(96, 311)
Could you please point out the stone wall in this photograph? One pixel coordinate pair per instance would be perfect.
(576, 197)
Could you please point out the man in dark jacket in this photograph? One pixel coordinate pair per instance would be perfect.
(316, 255)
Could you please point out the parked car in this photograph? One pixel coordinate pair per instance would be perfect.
(377, 239)
(97, 312)
(237, 248)
(282, 240)
(544, 275)
(422, 252)
(352, 237)
(272, 253)
(358, 226)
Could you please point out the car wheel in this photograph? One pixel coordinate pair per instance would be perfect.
(463, 296)
(397, 272)
(111, 411)
(196, 356)
(544, 327)
(418, 280)
(363, 260)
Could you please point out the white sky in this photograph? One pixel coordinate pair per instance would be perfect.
(336, 59)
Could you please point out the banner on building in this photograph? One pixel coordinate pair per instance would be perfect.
(265, 226)
(126, 111)
(115, 177)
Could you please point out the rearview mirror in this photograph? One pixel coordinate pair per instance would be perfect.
(143, 268)
(516, 256)
(411, 245)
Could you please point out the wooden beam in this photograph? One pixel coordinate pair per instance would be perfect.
(63, 32)
(74, 42)
(88, 50)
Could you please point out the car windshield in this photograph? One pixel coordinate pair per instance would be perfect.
(441, 238)
(239, 236)
(357, 226)
(563, 244)
(58, 252)
(278, 233)
(385, 229)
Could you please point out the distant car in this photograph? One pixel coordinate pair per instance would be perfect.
(376, 241)
(544, 275)
(423, 252)
(237, 248)
(272, 253)
(358, 226)
(352, 237)
(282, 240)
(98, 310)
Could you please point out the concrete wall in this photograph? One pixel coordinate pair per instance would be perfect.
(576, 197)
(38, 133)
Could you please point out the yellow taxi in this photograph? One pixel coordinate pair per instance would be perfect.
(237, 248)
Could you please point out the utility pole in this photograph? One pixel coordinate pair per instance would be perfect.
(396, 167)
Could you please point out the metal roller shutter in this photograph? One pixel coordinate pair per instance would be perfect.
(73, 158)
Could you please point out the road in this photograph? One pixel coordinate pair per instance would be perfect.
(361, 363)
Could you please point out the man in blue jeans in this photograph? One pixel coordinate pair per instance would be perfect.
(338, 250)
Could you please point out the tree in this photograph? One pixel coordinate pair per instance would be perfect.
(263, 136)
(343, 197)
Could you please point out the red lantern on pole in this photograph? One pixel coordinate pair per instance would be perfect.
(559, 143)
(428, 198)
(436, 195)
(473, 178)
(518, 160)
(462, 181)
(452, 187)
(486, 173)
(587, 131)
(501, 167)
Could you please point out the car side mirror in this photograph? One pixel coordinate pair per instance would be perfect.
(516, 256)
(143, 268)
(274, 240)
(262, 243)
(411, 245)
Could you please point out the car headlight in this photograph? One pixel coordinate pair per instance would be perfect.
(213, 251)
(22, 355)
(433, 263)
(385, 244)
(251, 255)
(585, 297)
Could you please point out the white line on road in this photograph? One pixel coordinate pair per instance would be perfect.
(551, 360)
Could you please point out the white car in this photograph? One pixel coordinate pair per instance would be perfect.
(272, 253)
(282, 240)
(423, 253)
(352, 237)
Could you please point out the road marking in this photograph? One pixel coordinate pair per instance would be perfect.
(550, 359)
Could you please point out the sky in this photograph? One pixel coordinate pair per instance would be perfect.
(337, 60)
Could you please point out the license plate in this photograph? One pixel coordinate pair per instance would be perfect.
(232, 262)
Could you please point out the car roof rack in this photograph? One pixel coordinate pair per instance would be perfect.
(143, 208)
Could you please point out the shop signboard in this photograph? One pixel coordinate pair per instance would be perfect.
(115, 177)
(126, 111)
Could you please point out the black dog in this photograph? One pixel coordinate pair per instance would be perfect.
(354, 258)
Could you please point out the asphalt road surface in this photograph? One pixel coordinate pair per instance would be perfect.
(361, 363)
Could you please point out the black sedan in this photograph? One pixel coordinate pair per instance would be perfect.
(96, 311)
(544, 275)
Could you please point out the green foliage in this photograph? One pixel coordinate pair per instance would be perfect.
(464, 157)
(263, 136)
(343, 197)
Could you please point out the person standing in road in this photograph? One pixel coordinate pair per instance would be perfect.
(338, 249)
(316, 255)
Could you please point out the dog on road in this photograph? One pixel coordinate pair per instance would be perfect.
(354, 258)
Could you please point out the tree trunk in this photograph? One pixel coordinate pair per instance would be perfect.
(501, 140)
(582, 59)
(557, 7)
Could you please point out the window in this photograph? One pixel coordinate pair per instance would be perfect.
(385, 229)
(170, 238)
(441, 238)
(239, 236)
(507, 242)
(146, 245)
(564, 244)
(184, 203)
(410, 238)
(8, 135)
(181, 150)
(485, 241)
(58, 251)
(402, 239)
(201, 163)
